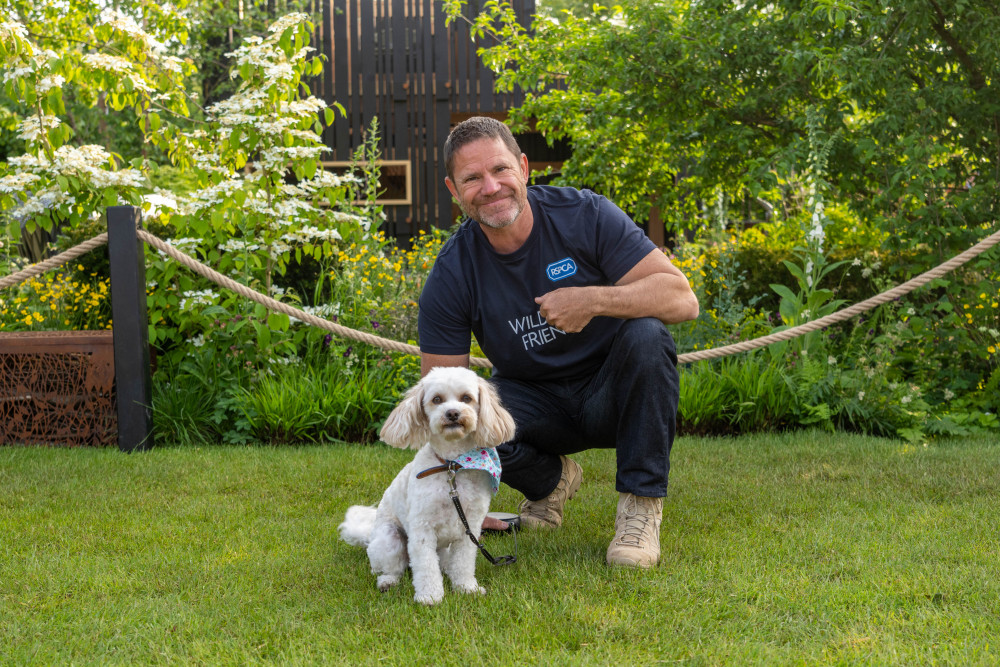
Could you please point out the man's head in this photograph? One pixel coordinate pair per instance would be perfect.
(487, 173)
(473, 129)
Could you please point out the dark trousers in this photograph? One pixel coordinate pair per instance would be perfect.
(629, 404)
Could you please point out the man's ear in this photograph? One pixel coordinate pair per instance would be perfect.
(451, 186)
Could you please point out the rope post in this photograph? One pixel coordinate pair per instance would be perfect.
(131, 329)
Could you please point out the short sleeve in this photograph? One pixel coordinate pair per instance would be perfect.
(620, 243)
(443, 326)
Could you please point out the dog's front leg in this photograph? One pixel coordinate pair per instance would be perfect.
(427, 581)
(459, 563)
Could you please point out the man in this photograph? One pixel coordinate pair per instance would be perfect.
(568, 299)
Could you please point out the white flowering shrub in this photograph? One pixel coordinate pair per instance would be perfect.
(262, 197)
(56, 179)
(251, 217)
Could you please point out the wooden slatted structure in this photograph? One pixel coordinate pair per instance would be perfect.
(396, 59)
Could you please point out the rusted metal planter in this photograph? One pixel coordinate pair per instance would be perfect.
(57, 387)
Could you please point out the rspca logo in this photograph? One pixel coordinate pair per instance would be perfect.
(564, 268)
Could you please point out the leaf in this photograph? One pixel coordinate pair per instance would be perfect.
(278, 321)
(263, 335)
(785, 293)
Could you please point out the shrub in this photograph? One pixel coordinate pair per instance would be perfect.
(343, 395)
(735, 395)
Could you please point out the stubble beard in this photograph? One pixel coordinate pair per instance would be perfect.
(506, 219)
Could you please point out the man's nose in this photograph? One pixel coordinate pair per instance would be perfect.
(490, 185)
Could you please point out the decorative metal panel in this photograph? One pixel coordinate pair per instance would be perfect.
(57, 387)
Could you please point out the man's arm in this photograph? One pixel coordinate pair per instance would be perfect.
(429, 361)
(652, 288)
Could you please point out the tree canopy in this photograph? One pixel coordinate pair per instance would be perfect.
(670, 100)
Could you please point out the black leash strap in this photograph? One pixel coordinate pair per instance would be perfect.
(503, 560)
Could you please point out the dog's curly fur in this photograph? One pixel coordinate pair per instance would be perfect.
(450, 411)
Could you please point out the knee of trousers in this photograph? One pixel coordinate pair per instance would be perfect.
(644, 341)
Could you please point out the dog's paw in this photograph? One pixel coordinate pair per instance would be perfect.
(386, 581)
(470, 589)
(429, 594)
(428, 598)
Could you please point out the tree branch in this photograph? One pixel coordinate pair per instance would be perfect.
(976, 79)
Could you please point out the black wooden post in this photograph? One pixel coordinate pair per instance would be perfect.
(131, 329)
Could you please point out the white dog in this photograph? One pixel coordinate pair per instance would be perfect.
(450, 415)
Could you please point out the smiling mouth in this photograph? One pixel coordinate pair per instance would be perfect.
(494, 202)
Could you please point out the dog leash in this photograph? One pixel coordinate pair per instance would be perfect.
(451, 467)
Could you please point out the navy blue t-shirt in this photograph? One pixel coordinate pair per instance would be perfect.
(578, 238)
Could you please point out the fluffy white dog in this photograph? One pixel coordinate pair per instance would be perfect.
(452, 415)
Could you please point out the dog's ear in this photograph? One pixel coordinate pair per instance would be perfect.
(407, 425)
(496, 426)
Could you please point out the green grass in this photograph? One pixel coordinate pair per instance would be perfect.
(801, 548)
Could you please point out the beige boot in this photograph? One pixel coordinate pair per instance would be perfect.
(548, 512)
(637, 532)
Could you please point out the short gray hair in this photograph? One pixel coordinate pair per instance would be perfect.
(473, 129)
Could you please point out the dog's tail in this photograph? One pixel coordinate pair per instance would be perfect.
(358, 525)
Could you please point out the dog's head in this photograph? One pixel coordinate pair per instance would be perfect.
(454, 410)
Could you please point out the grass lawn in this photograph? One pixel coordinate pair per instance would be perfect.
(804, 548)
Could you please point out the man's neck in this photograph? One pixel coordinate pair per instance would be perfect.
(510, 238)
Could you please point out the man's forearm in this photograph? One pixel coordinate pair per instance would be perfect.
(664, 296)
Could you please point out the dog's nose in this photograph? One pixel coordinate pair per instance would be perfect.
(452, 415)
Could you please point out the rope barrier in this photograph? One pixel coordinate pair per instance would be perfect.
(280, 307)
(54, 261)
(850, 311)
(405, 348)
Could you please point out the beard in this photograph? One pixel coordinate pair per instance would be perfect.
(498, 219)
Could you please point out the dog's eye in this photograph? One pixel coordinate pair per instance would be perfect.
(466, 398)
(437, 400)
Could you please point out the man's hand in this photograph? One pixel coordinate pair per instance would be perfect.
(652, 288)
(489, 523)
(567, 309)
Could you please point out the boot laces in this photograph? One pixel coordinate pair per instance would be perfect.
(636, 529)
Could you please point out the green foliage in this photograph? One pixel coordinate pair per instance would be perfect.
(665, 102)
(734, 395)
(334, 392)
(303, 385)
(237, 209)
(556, 8)
(99, 57)
(342, 395)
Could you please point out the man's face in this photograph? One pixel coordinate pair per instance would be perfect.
(490, 183)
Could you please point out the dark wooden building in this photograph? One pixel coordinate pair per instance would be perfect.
(396, 59)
